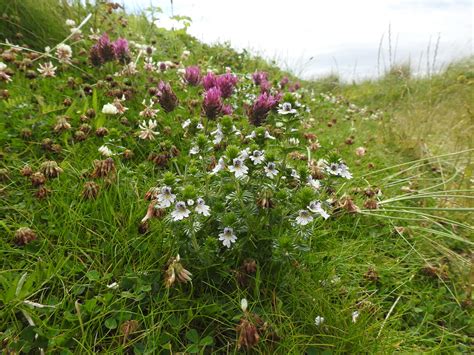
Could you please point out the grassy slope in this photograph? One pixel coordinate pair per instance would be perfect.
(84, 246)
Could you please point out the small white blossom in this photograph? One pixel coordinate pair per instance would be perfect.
(238, 168)
(243, 305)
(285, 109)
(148, 111)
(147, 130)
(218, 134)
(47, 70)
(70, 23)
(105, 151)
(113, 285)
(355, 315)
(315, 207)
(304, 217)
(202, 208)
(165, 197)
(319, 320)
(257, 157)
(219, 166)
(315, 184)
(180, 211)
(227, 237)
(190, 202)
(3, 75)
(109, 109)
(186, 123)
(270, 170)
(294, 141)
(268, 135)
(64, 53)
(194, 150)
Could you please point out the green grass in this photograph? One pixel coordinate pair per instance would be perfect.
(406, 267)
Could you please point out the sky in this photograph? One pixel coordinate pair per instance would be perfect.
(313, 38)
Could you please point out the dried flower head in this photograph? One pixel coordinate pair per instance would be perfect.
(248, 334)
(103, 168)
(50, 169)
(176, 272)
(37, 179)
(90, 190)
(62, 124)
(24, 235)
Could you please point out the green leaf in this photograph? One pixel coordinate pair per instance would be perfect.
(111, 323)
(93, 275)
(193, 336)
(207, 341)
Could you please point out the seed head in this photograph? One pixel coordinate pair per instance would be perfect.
(24, 235)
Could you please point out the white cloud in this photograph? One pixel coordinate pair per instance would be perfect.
(345, 32)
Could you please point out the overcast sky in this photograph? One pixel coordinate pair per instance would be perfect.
(339, 35)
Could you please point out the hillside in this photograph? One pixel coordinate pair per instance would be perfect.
(160, 195)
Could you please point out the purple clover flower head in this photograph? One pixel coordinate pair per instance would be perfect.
(212, 104)
(265, 86)
(227, 110)
(226, 83)
(192, 75)
(294, 87)
(284, 81)
(122, 53)
(258, 112)
(259, 77)
(106, 48)
(166, 97)
(209, 81)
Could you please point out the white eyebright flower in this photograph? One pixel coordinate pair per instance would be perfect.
(227, 237)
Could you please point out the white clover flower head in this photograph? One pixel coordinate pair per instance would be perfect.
(110, 109)
(202, 208)
(355, 315)
(319, 320)
(293, 141)
(238, 168)
(180, 211)
(147, 130)
(3, 75)
(304, 217)
(285, 109)
(149, 65)
(244, 304)
(270, 170)
(148, 111)
(227, 237)
(113, 285)
(70, 23)
(64, 53)
(47, 70)
(105, 151)
(165, 197)
(315, 207)
(257, 157)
